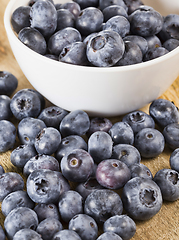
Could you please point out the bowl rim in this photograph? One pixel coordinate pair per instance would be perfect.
(11, 34)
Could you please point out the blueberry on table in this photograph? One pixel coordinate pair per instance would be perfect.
(121, 133)
(45, 211)
(70, 203)
(76, 122)
(109, 235)
(5, 111)
(105, 49)
(10, 182)
(25, 103)
(21, 154)
(2, 233)
(174, 160)
(139, 120)
(69, 144)
(43, 17)
(20, 218)
(112, 173)
(72, 7)
(168, 182)
(140, 170)
(1, 169)
(8, 83)
(145, 21)
(66, 234)
(106, 3)
(85, 226)
(15, 199)
(65, 19)
(114, 10)
(28, 128)
(171, 135)
(99, 124)
(164, 112)
(77, 166)
(7, 135)
(89, 20)
(150, 142)
(126, 153)
(20, 18)
(102, 204)
(48, 227)
(139, 40)
(122, 225)
(154, 53)
(43, 186)
(27, 234)
(142, 198)
(100, 146)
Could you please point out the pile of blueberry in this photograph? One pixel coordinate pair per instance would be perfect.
(96, 32)
(71, 167)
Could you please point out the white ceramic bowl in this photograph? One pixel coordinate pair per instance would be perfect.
(99, 91)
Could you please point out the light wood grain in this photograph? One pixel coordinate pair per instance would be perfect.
(163, 226)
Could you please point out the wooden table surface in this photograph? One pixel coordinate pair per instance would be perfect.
(164, 225)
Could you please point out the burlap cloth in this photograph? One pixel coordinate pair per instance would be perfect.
(164, 225)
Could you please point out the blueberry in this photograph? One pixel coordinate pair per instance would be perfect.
(7, 135)
(47, 141)
(109, 235)
(61, 38)
(27, 234)
(114, 10)
(77, 166)
(106, 3)
(99, 124)
(5, 111)
(168, 182)
(126, 153)
(20, 18)
(154, 53)
(171, 44)
(1, 169)
(74, 53)
(40, 161)
(105, 49)
(20, 218)
(76, 122)
(132, 54)
(121, 133)
(43, 17)
(153, 42)
(139, 120)
(100, 146)
(8, 83)
(118, 24)
(102, 204)
(45, 211)
(69, 144)
(85, 226)
(174, 160)
(90, 185)
(142, 198)
(73, 7)
(171, 135)
(87, 3)
(150, 142)
(48, 227)
(21, 154)
(122, 225)
(10, 182)
(145, 21)
(15, 199)
(2, 233)
(140, 170)
(65, 19)
(139, 40)
(171, 25)
(70, 203)
(28, 128)
(52, 116)
(133, 5)
(66, 234)
(89, 20)
(112, 173)
(164, 112)
(24, 104)
(43, 186)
